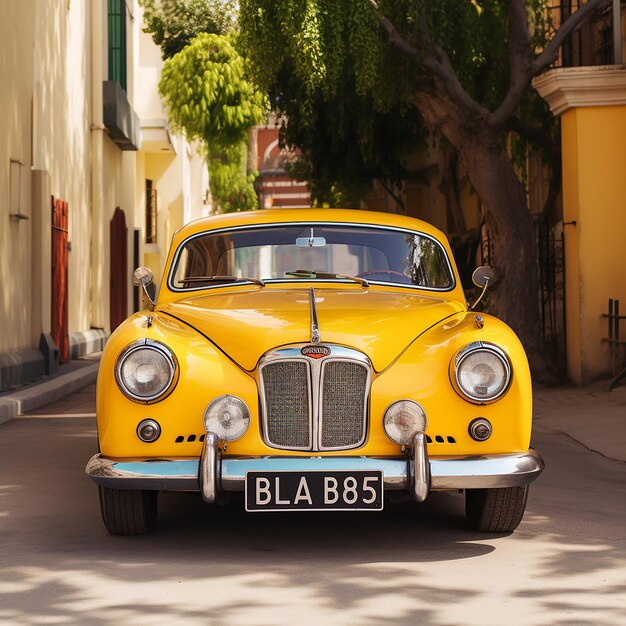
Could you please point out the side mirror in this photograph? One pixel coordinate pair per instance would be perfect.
(143, 277)
(482, 277)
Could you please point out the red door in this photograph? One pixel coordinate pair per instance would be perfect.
(59, 322)
(119, 270)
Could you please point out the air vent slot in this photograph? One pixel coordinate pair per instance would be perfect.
(189, 438)
(435, 439)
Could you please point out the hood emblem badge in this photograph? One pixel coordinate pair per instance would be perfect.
(315, 352)
(315, 329)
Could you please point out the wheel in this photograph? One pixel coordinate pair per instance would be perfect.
(495, 510)
(128, 512)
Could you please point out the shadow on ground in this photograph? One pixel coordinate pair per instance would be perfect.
(220, 565)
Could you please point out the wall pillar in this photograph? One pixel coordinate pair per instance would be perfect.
(592, 104)
(99, 223)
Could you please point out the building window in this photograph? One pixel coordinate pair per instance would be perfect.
(117, 41)
(151, 213)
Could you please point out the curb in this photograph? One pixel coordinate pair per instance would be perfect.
(35, 396)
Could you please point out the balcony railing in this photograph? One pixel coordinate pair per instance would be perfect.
(600, 41)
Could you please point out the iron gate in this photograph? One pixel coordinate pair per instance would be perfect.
(551, 264)
(551, 272)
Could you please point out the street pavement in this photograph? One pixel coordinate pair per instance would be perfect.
(410, 564)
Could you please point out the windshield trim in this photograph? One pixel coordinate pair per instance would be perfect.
(273, 281)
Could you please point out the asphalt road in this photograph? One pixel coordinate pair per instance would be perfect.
(565, 565)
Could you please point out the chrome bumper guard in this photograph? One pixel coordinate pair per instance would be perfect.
(417, 473)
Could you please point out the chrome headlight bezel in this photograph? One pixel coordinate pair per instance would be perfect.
(493, 350)
(164, 351)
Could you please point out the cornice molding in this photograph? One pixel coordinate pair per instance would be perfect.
(574, 87)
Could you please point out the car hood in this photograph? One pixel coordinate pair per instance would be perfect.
(247, 323)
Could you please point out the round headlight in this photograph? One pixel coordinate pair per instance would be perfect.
(482, 372)
(228, 417)
(403, 420)
(145, 370)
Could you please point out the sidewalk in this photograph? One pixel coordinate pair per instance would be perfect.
(591, 415)
(71, 377)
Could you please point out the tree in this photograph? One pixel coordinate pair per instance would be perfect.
(175, 23)
(209, 98)
(441, 58)
(344, 142)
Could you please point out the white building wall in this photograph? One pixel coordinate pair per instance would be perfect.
(62, 143)
(16, 72)
(52, 67)
(168, 160)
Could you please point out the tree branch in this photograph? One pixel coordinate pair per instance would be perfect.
(520, 47)
(435, 60)
(525, 70)
(532, 134)
(396, 40)
(396, 197)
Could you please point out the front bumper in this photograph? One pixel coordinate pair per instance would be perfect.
(416, 473)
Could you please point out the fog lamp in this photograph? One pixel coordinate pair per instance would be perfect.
(228, 417)
(480, 429)
(148, 430)
(403, 420)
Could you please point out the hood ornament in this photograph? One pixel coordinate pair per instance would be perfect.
(315, 329)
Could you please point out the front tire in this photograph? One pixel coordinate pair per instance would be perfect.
(128, 511)
(496, 510)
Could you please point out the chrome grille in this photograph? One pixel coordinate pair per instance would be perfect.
(314, 403)
(344, 391)
(287, 404)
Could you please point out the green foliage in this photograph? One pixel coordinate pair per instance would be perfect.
(347, 94)
(230, 183)
(174, 23)
(207, 93)
(346, 143)
(321, 37)
(316, 77)
(209, 98)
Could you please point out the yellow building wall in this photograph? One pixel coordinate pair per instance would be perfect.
(594, 196)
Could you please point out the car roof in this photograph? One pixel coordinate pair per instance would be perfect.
(272, 216)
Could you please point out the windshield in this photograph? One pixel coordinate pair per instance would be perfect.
(295, 252)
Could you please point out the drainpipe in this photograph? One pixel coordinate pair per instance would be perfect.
(617, 32)
(98, 226)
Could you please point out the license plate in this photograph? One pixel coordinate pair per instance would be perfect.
(314, 491)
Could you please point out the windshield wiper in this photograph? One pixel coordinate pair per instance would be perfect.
(220, 279)
(322, 275)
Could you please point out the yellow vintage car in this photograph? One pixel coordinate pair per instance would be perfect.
(313, 360)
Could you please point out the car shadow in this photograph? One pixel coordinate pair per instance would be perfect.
(434, 530)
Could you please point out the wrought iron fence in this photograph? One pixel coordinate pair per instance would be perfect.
(616, 344)
(551, 274)
(551, 268)
(599, 41)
